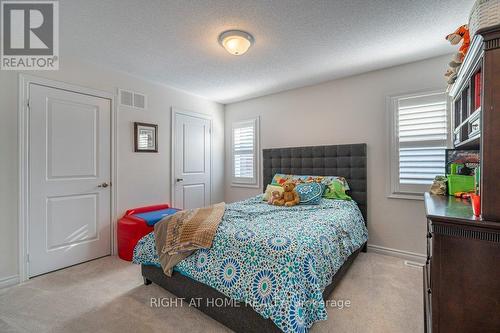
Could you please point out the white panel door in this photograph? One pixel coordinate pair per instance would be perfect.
(69, 178)
(192, 149)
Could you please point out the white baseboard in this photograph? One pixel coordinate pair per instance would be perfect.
(406, 255)
(9, 281)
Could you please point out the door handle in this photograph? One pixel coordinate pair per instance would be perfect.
(104, 185)
(180, 180)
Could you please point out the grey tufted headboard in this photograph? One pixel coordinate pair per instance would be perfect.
(347, 161)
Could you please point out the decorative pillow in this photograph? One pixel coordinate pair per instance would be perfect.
(270, 189)
(336, 190)
(310, 193)
(280, 179)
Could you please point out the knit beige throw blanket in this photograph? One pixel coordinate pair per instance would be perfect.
(178, 235)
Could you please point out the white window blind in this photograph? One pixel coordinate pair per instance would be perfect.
(244, 152)
(420, 137)
(244, 146)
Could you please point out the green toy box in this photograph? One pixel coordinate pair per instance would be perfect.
(460, 183)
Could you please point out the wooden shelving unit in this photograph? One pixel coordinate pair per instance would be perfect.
(476, 113)
(466, 109)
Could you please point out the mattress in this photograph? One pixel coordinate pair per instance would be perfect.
(277, 259)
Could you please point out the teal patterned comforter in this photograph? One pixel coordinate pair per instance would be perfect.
(277, 259)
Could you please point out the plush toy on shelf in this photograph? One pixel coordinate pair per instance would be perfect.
(459, 35)
(451, 75)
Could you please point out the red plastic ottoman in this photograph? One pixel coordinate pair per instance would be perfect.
(137, 223)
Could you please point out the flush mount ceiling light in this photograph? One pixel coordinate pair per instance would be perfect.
(236, 42)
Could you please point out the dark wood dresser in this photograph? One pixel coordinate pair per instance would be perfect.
(462, 272)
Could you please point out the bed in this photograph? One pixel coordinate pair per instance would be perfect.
(270, 268)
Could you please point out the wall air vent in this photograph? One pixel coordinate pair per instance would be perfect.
(132, 99)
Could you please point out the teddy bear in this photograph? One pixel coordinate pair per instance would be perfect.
(275, 196)
(290, 197)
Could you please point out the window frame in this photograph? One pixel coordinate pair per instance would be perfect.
(394, 189)
(247, 182)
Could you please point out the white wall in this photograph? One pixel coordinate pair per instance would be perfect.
(344, 111)
(142, 178)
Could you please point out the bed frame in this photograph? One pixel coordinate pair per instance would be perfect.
(348, 161)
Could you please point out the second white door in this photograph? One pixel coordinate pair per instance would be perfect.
(191, 156)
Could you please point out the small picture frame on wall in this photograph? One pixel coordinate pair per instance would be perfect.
(145, 138)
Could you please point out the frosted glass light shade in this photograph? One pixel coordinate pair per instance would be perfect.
(236, 42)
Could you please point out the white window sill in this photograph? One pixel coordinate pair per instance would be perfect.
(406, 196)
(245, 185)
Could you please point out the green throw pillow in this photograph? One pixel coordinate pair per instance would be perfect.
(336, 190)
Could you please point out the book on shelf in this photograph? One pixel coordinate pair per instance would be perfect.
(477, 90)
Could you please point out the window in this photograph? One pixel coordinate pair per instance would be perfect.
(419, 137)
(245, 148)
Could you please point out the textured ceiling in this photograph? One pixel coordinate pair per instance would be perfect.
(298, 43)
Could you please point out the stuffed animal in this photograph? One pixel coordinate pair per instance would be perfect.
(275, 196)
(451, 75)
(439, 185)
(290, 196)
(459, 35)
(336, 190)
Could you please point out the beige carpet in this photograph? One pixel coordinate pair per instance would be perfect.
(107, 295)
